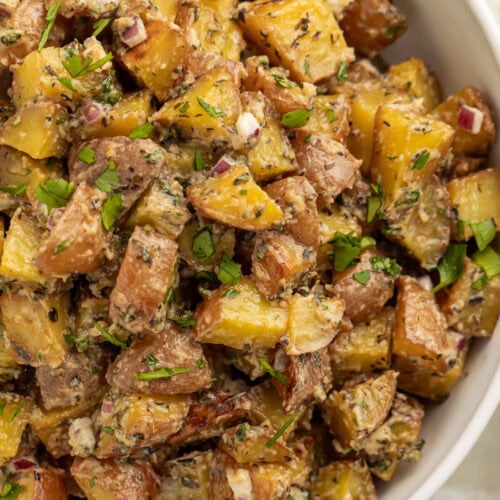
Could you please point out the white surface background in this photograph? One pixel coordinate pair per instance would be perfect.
(478, 477)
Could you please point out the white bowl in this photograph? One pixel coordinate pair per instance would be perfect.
(460, 40)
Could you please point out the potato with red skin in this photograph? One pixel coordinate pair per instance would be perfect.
(81, 234)
(198, 62)
(297, 199)
(137, 161)
(137, 300)
(171, 349)
(114, 479)
(42, 483)
(326, 163)
(363, 302)
(371, 25)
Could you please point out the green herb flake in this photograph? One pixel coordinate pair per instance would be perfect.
(308, 138)
(10, 491)
(184, 321)
(347, 249)
(280, 432)
(241, 433)
(392, 31)
(200, 363)
(87, 155)
(267, 368)
(62, 246)
(110, 210)
(230, 294)
(480, 283)
(108, 430)
(108, 180)
(67, 83)
(70, 338)
(451, 266)
(284, 82)
(489, 261)
(2, 407)
(385, 264)
(142, 131)
(16, 411)
(420, 160)
(92, 481)
(362, 277)
(412, 197)
(15, 190)
(184, 107)
(342, 72)
(161, 373)
(151, 360)
(374, 203)
(484, 232)
(110, 337)
(203, 245)
(213, 111)
(229, 272)
(100, 25)
(460, 226)
(331, 116)
(54, 193)
(50, 19)
(307, 71)
(297, 118)
(198, 163)
(77, 65)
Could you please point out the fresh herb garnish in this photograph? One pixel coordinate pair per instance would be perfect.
(151, 360)
(70, 338)
(100, 25)
(229, 272)
(198, 163)
(108, 180)
(108, 430)
(307, 71)
(451, 265)
(142, 131)
(200, 363)
(110, 210)
(241, 432)
(92, 481)
(489, 261)
(284, 82)
(62, 246)
(161, 373)
(280, 432)
(297, 118)
(267, 368)
(87, 155)
(54, 193)
(77, 65)
(203, 245)
(342, 72)
(66, 82)
(347, 249)
(10, 491)
(362, 277)
(412, 197)
(374, 202)
(392, 31)
(2, 407)
(15, 190)
(110, 337)
(184, 107)
(480, 283)
(420, 159)
(184, 321)
(16, 411)
(484, 232)
(213, 111)
(230, 294)
(385, 264)
(50, 19)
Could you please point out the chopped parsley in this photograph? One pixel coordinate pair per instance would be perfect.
(110, 210)
(108, 430)
(110, 337)
(16, 411)
(15, 190)
(280, 432)
(241, 433)
(87, 155)
(484, 232)
(229, 272)
(66, 82)
(70, 338)
(362, 277)
(489, 261)
(385, 264)
(142, 131)
(230, 294)
(347, 249)
(342, 72)
(198, 163)
(50, 19)
(100, 25)
(420, 159)
(307, 69)
(161, 373)
(374, 203)
(200, 363)
(2, 407)
(297, 118)
(62, 246)
(54, 193)
(203, 245)
(184, 321)
(77, 65)
(109, 179)
(151, 360)
(213, 111)
(267, 368)
(451, 265)
(10, 491)
(284, 82)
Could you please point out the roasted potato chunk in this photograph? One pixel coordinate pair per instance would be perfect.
(318, 46)
(146, 273)
(42, 483)
(115, 479)
(354, 412)
(13, 420)
(234, 198)
(154, 352)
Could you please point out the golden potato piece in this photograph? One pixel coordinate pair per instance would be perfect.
(42, 483)
(13, 420)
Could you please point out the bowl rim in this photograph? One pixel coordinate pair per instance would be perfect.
(491, 399)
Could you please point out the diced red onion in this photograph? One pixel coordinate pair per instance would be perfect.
(5, 11)
(223, 165)
(23, 463)
(136, 34)
(247, 126)
(92, 112)
(54, 217)
(470, 119)
(107, 407)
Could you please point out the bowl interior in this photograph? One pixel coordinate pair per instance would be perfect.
(451, 39)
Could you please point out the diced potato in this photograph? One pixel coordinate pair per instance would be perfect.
(148, 9)
(146, 273)
(112, 479)
(355, 412)
(343, 480)
(421, 222)
(207, 111)
(396, 439)
(279, 263)
(313, 322)
(19, 251)
(307, 39)
(468, 310)
(9, 369)
(466, 142)
(467, 197)
(407, 150)
(364, 349)
(413, 76)
(240, 315)
(121, 119)
(35, 327)
(235, 199)
(420, 338)
(272, 156)
(42, 483)
(156, 62)
(37, 75)
(14, 411)
(371, 25)
(210, 28)
(138, 421)
(34, 130)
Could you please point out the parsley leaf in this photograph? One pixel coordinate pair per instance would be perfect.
(420, 159)
(480, 283)
(241, 433)
(198, 163)
(184, 321)
(280, 432)
(230, 294)
(200, 363)
(54, 193)
(151, 360)
(267, 368)
(161, 373)
(229, 272)
(386, 264)
(62, 246)
(110, 337)
(10, 491)
(284, 82)
(50, 19)
(209, 109)
(203, 245)
(16, 411)
(362, 277)
(108, 180)
(347, 249)
(484, 232)
(15, 190)
(66, 82)
(342, 72)
(297, 118)
(70, 338)
(489, 260)
(142, 131)
(451, 265)
(373, 207)
(110, 210)
(100, 25)
(87, 155)
(77, 65)
(307, 71)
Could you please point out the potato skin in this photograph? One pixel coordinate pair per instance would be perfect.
(115, 479)
(81, 225)
(362, 302)
(44, 483)
(171, 349)
(137, 300)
